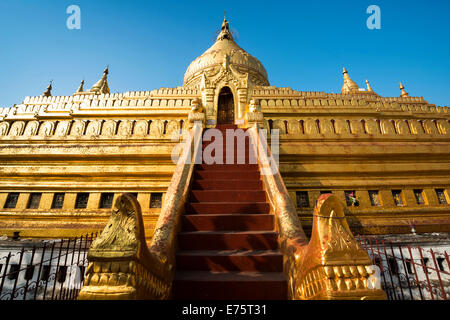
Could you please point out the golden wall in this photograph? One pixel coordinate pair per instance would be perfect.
(113, 143)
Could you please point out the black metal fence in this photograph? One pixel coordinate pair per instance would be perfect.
(52, 270)
(409, 272)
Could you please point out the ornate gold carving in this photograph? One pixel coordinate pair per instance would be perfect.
(157, 128)
(31, 128)
(4, 126)
(140, 128)
(16, 128)
(120, 263)
(332, 265)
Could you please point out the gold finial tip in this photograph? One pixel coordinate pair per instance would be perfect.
(344, 70)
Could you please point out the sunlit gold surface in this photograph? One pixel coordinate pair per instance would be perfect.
(95, 141)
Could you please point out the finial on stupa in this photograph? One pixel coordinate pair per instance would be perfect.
(48, 92)
(369, 88)
(102, 85)
(349, 85)
(81, 87)
(403, 92)
(225, 30)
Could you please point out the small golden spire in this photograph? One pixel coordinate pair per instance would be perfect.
(224, 31)
(81, 87)
(349, 85)
(48, 92)
(403, 93)
(369, 88)
(102, 85)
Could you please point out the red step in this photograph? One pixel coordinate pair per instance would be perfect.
(206, 196)
(227, 208)
(206, 285)
(228, 222)
(230, 260)
(227, 243)
(226, 167)
(224, 175)
(229, 184)
(226, 240)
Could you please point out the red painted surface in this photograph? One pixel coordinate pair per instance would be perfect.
(227, 243)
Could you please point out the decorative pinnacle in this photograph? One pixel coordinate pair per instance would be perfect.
(48, 92)
(225, 31)
(403, 92)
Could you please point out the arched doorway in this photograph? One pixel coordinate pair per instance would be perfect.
(225, 109)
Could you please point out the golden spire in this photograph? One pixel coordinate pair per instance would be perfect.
(349, 85)
(80, 88)
(369, 88)
(48, 92)
(102, 85)
(404, 93)
(224, 31)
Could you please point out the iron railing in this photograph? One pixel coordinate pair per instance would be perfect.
(52, 270)
(409, 272)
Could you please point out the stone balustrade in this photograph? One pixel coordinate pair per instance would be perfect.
(154, 129)
(362, 128)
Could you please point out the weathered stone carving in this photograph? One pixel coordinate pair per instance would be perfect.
(16, 128)
(4, 126)
(46, 128)
(109, 128)
(416, 127)
(93, 128)
(372, 127)
(62, 129)
(171, 127)
(293, 127)
(387, 127)
(326, 127)
(77, 128)
(125, 128)
(342, 127)
(31, 128)
(278, 124)
(430, 127)
(156, 128)
(402, 127)
(140, 128)
(444, 126)
(356, 127)
(311, 127)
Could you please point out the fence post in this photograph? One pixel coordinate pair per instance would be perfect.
(32, 266)
(61, 290)
(18, 273)
(50, 268)
(406, 272)
(415, 273)
(425, 270)
(39, 272)
(57, 267)
(69, 290)
(8, 257)
(438, 274)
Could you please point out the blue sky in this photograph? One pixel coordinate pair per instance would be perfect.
(149, 44)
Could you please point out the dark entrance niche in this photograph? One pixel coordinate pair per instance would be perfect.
(225, 110)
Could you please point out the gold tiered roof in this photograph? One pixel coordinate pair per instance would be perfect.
(225, 50)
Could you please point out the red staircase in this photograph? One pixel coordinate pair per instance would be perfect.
(227, 243)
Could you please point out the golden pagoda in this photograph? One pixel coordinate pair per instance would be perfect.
(66, 160)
